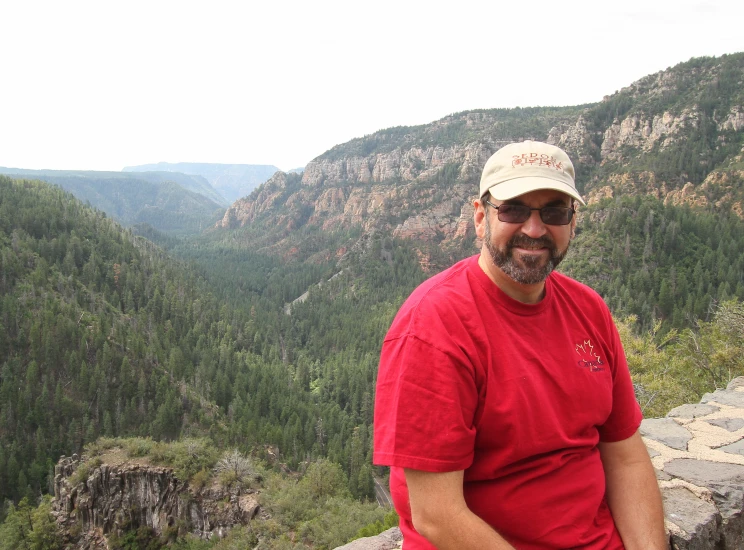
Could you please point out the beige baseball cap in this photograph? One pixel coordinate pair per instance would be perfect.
(519, 168)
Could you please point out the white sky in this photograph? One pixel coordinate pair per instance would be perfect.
(100, 85)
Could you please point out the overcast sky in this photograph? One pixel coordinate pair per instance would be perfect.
(102, 85)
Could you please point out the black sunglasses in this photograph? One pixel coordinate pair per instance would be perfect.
(520, 213)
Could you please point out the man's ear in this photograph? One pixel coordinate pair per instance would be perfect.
(479, 218)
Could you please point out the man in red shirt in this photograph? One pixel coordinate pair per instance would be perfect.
(504, 404)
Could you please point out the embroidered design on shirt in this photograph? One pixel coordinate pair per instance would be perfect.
(588, 358)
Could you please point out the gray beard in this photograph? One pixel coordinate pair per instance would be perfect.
(529, 271)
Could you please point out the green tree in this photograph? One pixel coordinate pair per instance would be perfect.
(28, 528)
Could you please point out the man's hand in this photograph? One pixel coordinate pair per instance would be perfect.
(633, 494)
(440, 514)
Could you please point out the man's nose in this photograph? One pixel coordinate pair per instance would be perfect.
(534, 227)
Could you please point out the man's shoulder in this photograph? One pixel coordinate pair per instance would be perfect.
(437, 296)
(444, 281)
(576, 288)
(574, 295)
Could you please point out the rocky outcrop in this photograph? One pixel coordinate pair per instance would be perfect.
(246, 209)
(403, 209)
(575, 138)
(401, 164)
(726, 186)
(734, 121)
(643, 132)
(120, 497)
(687, 195)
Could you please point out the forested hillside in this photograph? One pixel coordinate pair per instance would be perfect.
(661, 263)
(101, 334)
(97, 330)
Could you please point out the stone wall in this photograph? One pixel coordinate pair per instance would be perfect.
(698, 453)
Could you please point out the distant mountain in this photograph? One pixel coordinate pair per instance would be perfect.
(232, 181)
(170, 202)
(674, 137)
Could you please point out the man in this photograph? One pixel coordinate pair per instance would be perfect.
(504, 404)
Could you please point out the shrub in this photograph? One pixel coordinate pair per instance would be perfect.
(101, 445)
(186, 457)
(200, 479)
(325, 479)
(390, 520)
(80, 474)
(234, 469)
(138, 446)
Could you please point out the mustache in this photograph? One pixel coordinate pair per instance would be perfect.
(523, 241)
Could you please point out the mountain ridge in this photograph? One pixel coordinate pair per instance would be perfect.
(169, 202)
(640, 139)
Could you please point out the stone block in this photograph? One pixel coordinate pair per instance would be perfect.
(692, 411)
(725, 397)
(730, 424)
(735, 448)
(666, 431)
(696, 519)
(705, 473)
(388, 540)
(730, 502)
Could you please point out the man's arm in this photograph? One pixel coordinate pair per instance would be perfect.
(440, 514)
(633, 494)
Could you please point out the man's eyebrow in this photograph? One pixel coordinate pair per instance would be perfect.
(558, 202)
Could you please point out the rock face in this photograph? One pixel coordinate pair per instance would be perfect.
(698, 453)
(416, 163)
(114, 499)
(245, 210)
(641, 132)
(360, 191)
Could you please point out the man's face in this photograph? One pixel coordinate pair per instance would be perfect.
(528, 252)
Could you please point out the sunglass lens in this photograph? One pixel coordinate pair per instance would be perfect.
(519, 213)
(513, 213)
(556, 216)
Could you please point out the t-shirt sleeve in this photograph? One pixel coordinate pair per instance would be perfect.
(425, 404)
(626, 416)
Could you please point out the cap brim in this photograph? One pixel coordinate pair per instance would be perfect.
(519, 186)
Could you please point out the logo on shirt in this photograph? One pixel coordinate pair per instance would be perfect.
(588, 358)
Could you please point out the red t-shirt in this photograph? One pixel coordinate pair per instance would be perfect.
(516, 395)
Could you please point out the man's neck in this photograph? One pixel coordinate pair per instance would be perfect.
(527, 294)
